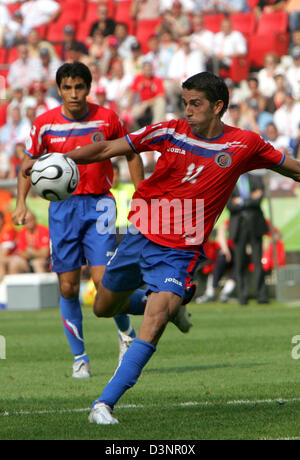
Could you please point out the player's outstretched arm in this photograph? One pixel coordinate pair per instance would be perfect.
(20, 213)
(101, 151)
(290, 168)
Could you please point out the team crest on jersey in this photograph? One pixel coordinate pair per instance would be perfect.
(223, 159)
(97, 137)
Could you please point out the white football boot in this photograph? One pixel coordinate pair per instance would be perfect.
(81, 370)
(101, 415)
(125, 342)
(181, 320)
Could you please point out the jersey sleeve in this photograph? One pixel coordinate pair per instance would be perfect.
(34, 143)
(152, 137)
(265, 155)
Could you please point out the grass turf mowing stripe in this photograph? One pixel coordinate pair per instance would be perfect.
(146, 406)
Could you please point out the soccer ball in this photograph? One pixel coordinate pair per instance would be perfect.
(54, 177)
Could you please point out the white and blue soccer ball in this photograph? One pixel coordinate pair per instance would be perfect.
(54, 177)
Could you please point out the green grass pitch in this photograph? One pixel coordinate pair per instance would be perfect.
(232, 377)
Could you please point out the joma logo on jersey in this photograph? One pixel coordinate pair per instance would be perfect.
(173, 280)
(176, 150)
(57, 139)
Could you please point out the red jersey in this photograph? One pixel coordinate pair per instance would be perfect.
(53, 132)
(148, 88)
(8, 238)
(180, 203)
(35, 240)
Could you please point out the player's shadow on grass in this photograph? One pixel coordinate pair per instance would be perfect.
(182, 369)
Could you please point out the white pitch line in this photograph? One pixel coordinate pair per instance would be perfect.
(141, 406)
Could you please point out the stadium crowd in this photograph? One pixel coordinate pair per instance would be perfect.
(139, 52)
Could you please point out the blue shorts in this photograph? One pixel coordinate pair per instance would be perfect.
(139, 261)
(76, 230)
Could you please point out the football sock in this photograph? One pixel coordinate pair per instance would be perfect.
(123, 322)
(127, 374)
(72, 321)
(137, 302)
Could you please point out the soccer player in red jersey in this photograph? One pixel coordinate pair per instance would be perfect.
(173, 213)
(74, 224)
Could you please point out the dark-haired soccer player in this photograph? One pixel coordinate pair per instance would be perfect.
(73, 223)
(200, 163)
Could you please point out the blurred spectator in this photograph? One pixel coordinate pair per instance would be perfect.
(100, 95)
(8, 243)
(16, 160)
(96, 75)
(257, 118)
(185, 62)
(287, 117)
(278, 97)
(290, 6)
(224, 263)
(125, 41)
(116, 85)
(167, 48)
(41, 102)
(4, 163)
(39, 12)
(205, 6)
(232, 6)
(133, 65)
(18, 99)
(14, 131)
(147, 97)
(14, 30)
(201, 38)
(25, 69)
(175, 20)
(69, 39)
(247, 226)
(35, 44)
(98, 45)
(105, 24)
(266, 82)
(5, 204)
(30, 115)
(293, 73)
(145, 9)
(233, 116)
(280, 142)
(32, 250)
(50, 64)
(75, 53)
(228, 43)
(110, 55)
(188, 6)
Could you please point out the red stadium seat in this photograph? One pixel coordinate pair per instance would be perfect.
(144, 30)
(55, 32)
(12, 55)
(244, 23)
(260, 45)
(122, 14)
(239, 69)
(3, 54)
(91, 13)
(72, 10)
(276, 21)
(3, 110)
(213, 22)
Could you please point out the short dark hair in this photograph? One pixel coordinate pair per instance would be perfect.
(77, 69)
(211, 85)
